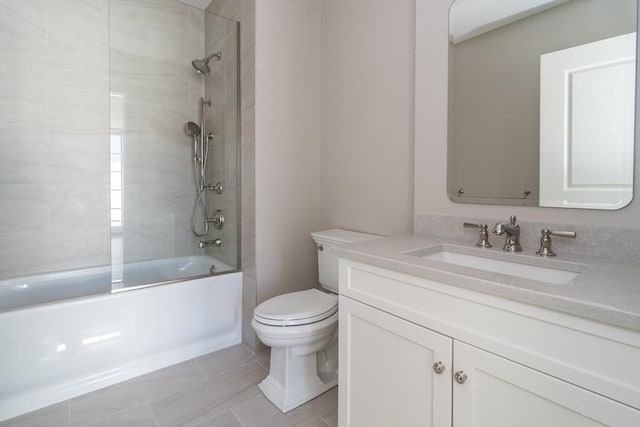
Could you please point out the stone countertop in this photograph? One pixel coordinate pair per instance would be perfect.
(604, 290)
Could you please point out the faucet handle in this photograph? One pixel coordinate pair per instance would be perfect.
(483, 242)
(545, 240)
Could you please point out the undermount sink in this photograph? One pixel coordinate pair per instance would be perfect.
(558, 273)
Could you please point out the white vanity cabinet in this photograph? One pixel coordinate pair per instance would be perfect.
(388, 362)
(517, 365)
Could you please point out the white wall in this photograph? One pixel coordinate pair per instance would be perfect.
(288, 139)
(431, 138)
(367, 114)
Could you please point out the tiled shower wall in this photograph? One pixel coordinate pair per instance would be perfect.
(152, 45)
(56, 166)
(221, 89)
(54, 135)
(244, 12)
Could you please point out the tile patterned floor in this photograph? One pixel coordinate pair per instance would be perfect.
(216, 390)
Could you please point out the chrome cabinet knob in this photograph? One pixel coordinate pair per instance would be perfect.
(460, 377)
(438, 367)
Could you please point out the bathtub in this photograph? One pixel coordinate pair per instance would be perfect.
(56, 351)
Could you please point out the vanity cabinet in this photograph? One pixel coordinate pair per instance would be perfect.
(388, 362)
(415, 352)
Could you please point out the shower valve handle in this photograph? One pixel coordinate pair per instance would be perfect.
(217, 188)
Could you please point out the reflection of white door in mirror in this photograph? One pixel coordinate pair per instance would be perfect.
(587, 97)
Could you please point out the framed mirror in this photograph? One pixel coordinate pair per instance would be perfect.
(542, 102)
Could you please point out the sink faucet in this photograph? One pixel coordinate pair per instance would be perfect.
(512, 232)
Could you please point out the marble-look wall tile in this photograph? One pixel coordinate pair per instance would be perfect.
(152, 46)
(26, 253)
(223, 122)
(231, 9)
(612, 242)
(25, 20)
(248, 260)
(22, 158)
(244, 13)
(249, 291)
(78, 206)
(23, 207)
(53, 135)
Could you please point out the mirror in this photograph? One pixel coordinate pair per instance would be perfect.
(542, 102)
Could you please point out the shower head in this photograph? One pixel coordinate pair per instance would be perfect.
(202, 65)
(192, 129)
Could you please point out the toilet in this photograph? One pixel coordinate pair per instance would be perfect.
(302, 330)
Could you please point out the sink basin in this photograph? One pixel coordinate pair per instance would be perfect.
(559, 273)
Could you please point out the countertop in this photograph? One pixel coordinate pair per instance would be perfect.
(604, 290)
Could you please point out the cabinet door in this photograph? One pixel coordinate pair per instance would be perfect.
(501, 393)
(387, 375)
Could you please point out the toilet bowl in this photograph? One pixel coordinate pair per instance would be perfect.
(294, 372)
(302, 330)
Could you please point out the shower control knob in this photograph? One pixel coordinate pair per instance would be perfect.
(217, 219)
(217, 188)
(438, 367)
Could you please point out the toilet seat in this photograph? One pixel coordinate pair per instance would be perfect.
(297, 308)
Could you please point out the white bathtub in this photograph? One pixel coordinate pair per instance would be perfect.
(56, 351)
(61, 286)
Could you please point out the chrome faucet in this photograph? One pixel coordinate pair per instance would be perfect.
(215, 242)
(512, 232)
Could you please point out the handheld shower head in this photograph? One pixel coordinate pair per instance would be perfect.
(192, 129)
(202, 65)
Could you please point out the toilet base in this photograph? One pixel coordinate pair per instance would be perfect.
(292, 399)
(295, 379)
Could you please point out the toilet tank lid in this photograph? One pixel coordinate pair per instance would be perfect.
(338, 235)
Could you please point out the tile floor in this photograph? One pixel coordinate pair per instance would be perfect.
(216, 390)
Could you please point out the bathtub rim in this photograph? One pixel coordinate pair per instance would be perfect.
(75, 273)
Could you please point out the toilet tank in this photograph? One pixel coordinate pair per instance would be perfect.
(327, 260)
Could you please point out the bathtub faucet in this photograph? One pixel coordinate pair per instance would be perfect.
(217, 242)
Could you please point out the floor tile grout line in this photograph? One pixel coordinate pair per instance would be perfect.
(113, 414)
(236, 415)
(206, 376)
(255, 358)
(225, 371)
(153, 415)
(227, 399)
(95, 418)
